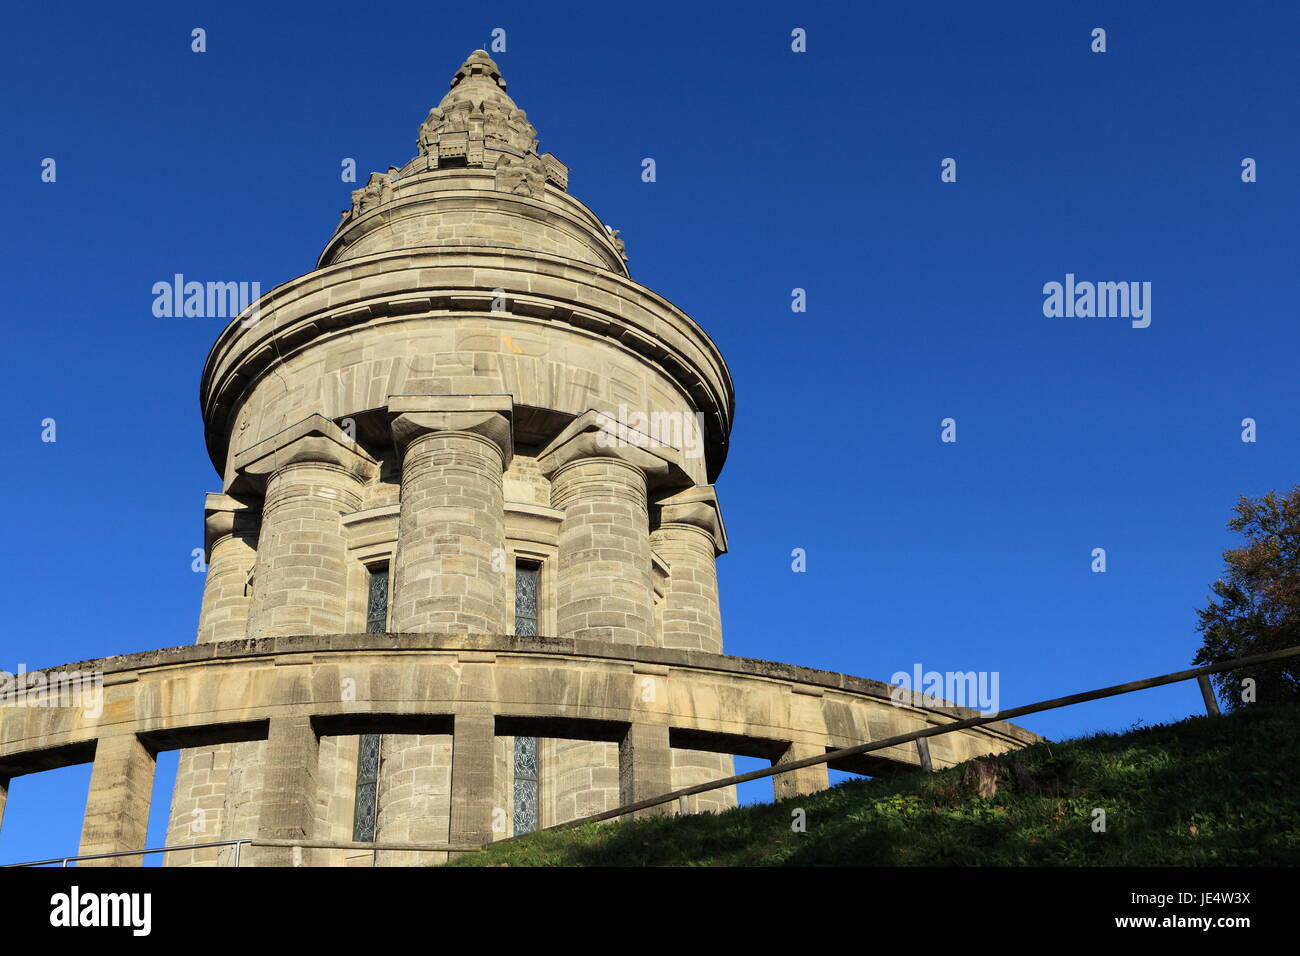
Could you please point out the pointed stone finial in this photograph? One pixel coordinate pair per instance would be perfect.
(477, 124)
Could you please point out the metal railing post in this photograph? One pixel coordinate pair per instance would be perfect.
(1207, 692)
(923, 751)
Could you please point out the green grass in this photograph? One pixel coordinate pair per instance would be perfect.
(1204, 791)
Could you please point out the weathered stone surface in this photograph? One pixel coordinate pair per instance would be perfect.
(803, 780)
(645, 767)
(117, 807)
(473, 764)
(288, 804)
(450, 563)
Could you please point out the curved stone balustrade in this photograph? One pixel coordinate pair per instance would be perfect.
(290, 691)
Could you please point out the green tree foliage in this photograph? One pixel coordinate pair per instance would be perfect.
(1256, 603)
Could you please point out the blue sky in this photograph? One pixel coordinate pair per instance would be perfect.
(775, 170)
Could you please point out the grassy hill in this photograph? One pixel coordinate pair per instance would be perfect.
(1204, 791)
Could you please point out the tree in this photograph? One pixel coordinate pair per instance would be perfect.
(1256, 603)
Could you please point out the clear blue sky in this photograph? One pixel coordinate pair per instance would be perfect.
(776, 170)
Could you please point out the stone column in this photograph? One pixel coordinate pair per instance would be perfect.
(604, 584)
(804, 780)
(230, 541)
(451, 574)
(314, 473)
(310, 473)
(117, 807)
(414, 796)
(198, 800)
(4, 797)
(473, 765)
(288, 810)
(689, 537)
(645, 767)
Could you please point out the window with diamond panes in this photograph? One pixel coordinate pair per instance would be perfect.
(377, 602)
(526, 784)
(526, 777)
(363, 819)
(367, 807)
(526, 581)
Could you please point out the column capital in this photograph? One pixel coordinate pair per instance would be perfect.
(224, 516)
(315, 440)
(697, 507)
(488, 416)
(596, 435)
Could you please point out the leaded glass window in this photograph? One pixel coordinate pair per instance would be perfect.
(526, 578)
(377, 602)
(363, 820)
(526, 776)
(525, 785)
(367, 808)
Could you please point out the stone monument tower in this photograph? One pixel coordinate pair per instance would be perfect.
(461, 576)
(468, 420)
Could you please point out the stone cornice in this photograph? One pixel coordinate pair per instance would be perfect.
(427, 282)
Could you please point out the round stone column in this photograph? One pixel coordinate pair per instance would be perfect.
(688, 538)
(314, 474)
(450, 575)
(231, 544)
(601, 480)
(604, 588)
(450, 570)
(202, 774)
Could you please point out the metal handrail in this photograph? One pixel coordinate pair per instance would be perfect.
(64, 860)
(239, 844)
(1200, 674)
